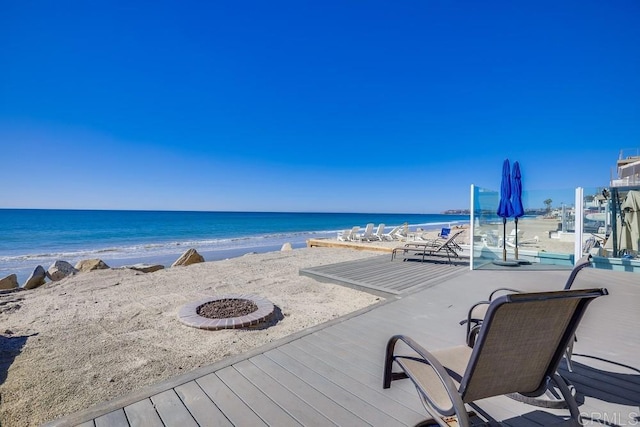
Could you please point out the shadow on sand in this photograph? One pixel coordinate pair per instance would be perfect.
(10, 347)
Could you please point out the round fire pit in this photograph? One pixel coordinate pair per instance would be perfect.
(226, 312)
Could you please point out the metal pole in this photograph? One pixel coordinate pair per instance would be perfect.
(516, 248)
(504, 239)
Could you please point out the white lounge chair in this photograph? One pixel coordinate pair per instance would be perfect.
(348, 235)
(393, 234)
(368, 233)
(344, 236)
(379, 234)
(354, 234)
(511, 239)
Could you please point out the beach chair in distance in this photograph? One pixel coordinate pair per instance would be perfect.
(393, 234)
(414, 249)
(345, 235)
(379, 234)
(367, 234)
(477, 312)
(349, 235)
(517, 351)
(511, 239)
(444, 232)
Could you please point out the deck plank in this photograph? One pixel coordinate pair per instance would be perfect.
(231, 405)
(381, 274)
(203, 410)
(376, 397)
(288, 401)
(363, 409)
(348, 368)
(171, 410)
(143, 414)
(116, 418)
(260, 403)
(321, 403)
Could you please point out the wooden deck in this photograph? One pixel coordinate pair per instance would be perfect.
(332, 374)
(384, 276)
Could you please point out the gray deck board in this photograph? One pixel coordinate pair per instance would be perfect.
(259, 402)
(203, 410)
(361, 408)
(321, 403)
(296, 407)
(333, 374)
(379, 273)
(171, 409)
(116, 418)
(229, 403)
(376, 397)
(368, 379)
(143, 414)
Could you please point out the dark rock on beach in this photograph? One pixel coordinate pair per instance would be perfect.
(146, 268)
(9, 282)
(91, 264)
(189, 257)
(59, 270)
(36, 279)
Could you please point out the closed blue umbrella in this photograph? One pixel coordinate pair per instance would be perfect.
(516, 198)
(505, 209)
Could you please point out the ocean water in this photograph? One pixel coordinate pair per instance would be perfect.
(32, 237)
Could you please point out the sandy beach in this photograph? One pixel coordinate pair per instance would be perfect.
(99, 335)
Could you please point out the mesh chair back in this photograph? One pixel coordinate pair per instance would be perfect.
(521, 342)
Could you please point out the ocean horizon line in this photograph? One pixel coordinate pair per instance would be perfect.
(445, 212)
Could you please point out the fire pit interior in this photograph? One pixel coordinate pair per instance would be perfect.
(226, 308)
(227, 312)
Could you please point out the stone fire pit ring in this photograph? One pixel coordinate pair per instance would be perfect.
(188, 313)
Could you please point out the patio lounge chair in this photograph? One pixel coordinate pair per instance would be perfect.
(368, 233)
(393, 234)
(517, 351)
(379, 234)
(477, 312)
(348, 235)
(511, 239)
(435, 247)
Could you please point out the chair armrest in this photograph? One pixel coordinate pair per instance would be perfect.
(508, 290)
(457, 407)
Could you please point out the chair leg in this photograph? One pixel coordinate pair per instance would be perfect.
(568, 398)
(568, 353)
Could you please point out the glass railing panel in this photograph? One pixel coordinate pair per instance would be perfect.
(545, 229)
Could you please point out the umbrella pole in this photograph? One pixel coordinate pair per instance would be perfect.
(504, 239)
(516, 248)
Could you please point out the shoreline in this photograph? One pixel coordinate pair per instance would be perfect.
(165, 253)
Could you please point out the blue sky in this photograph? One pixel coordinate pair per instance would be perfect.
(344, 106)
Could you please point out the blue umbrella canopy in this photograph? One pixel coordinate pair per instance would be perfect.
(505, 209)
(516, 191)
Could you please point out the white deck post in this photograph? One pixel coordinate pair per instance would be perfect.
(578, 227)
(471, 228)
